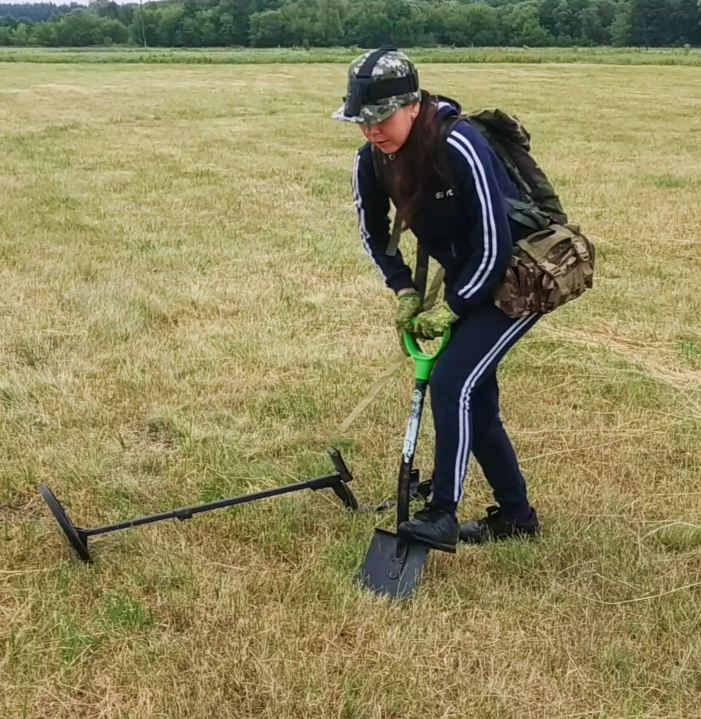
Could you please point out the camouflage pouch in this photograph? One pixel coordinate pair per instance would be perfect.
(547, 269)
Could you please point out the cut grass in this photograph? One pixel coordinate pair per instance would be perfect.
(187, 313)
(258, 56)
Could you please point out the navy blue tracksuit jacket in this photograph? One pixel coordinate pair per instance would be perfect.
(465, 228)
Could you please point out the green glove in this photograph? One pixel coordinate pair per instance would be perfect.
(434, 322)
(409, 306)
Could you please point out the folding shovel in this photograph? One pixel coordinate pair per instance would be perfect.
(393, 565)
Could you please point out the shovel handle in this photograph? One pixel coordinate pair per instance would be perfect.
(423, 362)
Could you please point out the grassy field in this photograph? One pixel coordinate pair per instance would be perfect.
(187, 313)
(247, 56)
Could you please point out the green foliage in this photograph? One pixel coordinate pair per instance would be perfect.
(361, 23)
(81, 28)
(660, 23)
(34, 12)
(622, 29)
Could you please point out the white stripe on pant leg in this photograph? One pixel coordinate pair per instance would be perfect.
(464, 405)
(462, 455)
(464, 402)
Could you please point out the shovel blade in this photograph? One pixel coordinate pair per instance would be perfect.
(393, 566)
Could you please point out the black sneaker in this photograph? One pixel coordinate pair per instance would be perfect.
(434, 527)
(498, 525)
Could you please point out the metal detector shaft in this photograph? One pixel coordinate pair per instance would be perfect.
(185, 513)
(78, 537)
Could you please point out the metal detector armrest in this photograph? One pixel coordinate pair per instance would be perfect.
(323, 482)
(337, 482)
(339, 464)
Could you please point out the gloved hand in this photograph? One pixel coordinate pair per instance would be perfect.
(434, 322)
(409, 306)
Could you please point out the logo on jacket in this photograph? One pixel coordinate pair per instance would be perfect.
(448, 193)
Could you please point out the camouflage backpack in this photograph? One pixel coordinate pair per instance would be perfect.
(555, 263)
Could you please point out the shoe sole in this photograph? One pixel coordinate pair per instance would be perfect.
(498, 537)
(440, 546)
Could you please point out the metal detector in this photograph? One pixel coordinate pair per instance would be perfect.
(393, 565)
(78, 537)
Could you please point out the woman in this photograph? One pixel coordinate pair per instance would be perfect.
(452, 192)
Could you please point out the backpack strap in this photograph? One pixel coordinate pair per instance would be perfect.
(525, 213)
(379, 164)
(421, 272)
(528, 214)
(381, 175)
(396, 236)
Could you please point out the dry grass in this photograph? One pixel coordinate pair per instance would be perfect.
(186, 312)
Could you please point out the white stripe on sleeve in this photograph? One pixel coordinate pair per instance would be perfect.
(364, 234)
(489, 255)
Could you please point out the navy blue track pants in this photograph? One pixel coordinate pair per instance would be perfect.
(465, 405)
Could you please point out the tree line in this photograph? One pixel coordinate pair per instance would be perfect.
(355, 23)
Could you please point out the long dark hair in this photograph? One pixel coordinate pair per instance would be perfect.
(419, 168)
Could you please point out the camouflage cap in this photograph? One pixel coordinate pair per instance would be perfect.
(390, 65)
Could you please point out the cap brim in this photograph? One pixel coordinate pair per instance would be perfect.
(340, 115)
(374, 115)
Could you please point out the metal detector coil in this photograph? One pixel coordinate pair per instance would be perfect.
(76, 537)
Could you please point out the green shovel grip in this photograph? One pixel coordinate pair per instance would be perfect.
(423, 363)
